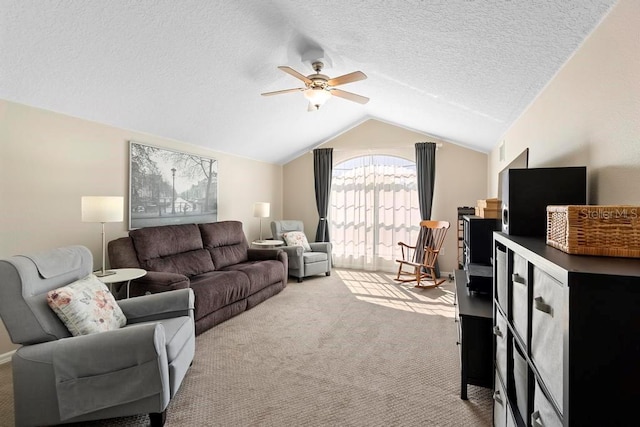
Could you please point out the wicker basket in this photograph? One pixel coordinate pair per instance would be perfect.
(611, 230)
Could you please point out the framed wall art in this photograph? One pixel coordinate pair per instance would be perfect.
(170, 187)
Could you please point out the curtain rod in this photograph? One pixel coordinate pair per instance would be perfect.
(439, 145)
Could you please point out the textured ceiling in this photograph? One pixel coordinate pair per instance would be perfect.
(193, 70)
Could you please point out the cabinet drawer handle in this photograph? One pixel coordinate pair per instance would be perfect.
(518, 279)
(536, 421)
(497, 332)
(542, 306)
(497, 398)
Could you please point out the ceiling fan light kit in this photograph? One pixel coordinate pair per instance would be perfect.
(319, 88)
(317, 96)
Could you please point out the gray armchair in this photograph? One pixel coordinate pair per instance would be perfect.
(303, 264)
(58, 378)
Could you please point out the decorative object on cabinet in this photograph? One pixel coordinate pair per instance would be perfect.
(477, 242)
(488, 208)
(102, 209)
(169, 187)
(603, 230)
(566, 336)
(526, 193)
(422, 263)
(474, 320)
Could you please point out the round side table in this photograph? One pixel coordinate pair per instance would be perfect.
(122, 275)
(264, 244)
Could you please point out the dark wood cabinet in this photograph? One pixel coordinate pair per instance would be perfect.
(567, 336)
(474, 319)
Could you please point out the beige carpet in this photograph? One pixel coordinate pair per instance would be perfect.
(353, 349)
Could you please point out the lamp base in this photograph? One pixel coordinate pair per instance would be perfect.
(105, 273)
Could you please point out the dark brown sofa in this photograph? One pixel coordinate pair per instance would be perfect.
(214, 259)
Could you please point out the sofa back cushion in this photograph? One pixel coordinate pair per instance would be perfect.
(226, 242)
(172, 249)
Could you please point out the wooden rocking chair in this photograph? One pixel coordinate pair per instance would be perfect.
(422, 263)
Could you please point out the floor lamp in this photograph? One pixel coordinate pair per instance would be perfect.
(103, 209)
(261, 210)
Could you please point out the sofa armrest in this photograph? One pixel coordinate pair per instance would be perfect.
(88, 368)
(262, 254)
(163, 305)
(278, 254)
(156, 282)
(284, 259)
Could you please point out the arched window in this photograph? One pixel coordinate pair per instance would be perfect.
(373, 206)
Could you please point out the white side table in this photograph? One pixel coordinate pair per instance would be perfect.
(263, 244)
(123, 275)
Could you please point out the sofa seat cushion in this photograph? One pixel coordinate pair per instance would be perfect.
(261, 273)
(311, 257)
(177, 332)
(218, 289)
(226, 242)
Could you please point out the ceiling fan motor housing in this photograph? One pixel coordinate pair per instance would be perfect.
(318, 81)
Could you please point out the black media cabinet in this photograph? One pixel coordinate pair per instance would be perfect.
(474, 316)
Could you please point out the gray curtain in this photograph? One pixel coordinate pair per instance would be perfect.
(426, 173)
(322, 167)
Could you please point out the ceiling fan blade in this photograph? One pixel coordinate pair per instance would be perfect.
(349, 96)
(278, 92)
(295, 74)
(347, 78)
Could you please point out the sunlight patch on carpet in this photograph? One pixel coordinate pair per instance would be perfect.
(379, 288)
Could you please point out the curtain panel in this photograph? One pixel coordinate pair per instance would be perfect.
(322, 167)
(426, 177)
(374, 205)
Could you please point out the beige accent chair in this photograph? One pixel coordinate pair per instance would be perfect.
(303, 263)
(60, 378)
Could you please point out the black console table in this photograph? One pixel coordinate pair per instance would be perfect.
(474, 316)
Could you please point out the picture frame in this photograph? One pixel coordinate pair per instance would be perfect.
(170, 187)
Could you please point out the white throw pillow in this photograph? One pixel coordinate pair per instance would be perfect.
(86, 306)
(297, 238)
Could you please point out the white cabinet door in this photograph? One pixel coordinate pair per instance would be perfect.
(547, 320)
(519, 301)
(543, 413)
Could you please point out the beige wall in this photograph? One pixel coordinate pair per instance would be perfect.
(589, 114)
(48, 161)
(460, 175)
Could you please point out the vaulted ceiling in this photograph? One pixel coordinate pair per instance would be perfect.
(193, 70)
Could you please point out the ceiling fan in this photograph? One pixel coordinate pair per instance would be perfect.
(319, 88)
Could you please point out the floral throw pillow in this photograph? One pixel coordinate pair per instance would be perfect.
(86, 307)
(297, 238)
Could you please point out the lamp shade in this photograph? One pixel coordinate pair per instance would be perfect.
(261, 209)
(102, 209)
(317, 96)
